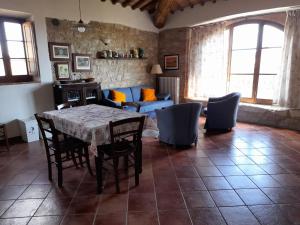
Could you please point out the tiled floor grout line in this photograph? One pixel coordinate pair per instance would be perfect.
(155, 194)
(181, 192)
(73, 197)
(14, 200)
(212, 196)
(100, 196)
(127, 204)
(42, 201)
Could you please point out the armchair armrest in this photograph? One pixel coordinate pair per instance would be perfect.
(163, 96)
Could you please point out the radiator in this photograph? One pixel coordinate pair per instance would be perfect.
(170, 85)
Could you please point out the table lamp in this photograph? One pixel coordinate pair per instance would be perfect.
(156, 70)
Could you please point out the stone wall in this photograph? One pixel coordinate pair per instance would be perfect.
(175, 41)
(111, 73)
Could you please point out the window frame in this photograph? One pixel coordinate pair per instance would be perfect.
(9, 78)
(259, 48)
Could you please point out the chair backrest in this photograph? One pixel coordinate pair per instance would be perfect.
(49, 133)
(63, 106)
(124, 131)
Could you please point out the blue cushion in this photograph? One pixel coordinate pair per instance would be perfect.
(107, 94)
(151, 106)
(136, 93)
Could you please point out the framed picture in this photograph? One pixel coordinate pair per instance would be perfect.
(171, 62)
(62, 70)
(59, 51)
(82, 63)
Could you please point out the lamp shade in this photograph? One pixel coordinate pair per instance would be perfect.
(156, 69)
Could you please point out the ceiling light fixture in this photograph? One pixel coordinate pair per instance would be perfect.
(81, 27)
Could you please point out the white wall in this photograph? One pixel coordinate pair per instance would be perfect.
(23, 100)
(210, 11)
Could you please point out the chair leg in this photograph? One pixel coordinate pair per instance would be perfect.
(116, 165)
(49, 170)
(126, 158)
(87, 159)
(74, 159)
(59, 169)
(80, 157)
(136, 168)
(98, 163)
(139, 157)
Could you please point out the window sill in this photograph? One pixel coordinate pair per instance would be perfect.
(20, 83)
(244, 105)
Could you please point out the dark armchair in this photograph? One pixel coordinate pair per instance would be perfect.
(222, 112)
(178, 124)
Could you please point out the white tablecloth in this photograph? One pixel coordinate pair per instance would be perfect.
(88, 123)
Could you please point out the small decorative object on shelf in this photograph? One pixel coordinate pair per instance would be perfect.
(102, 54)
(141, 53)
(109, 54)
(136, 53)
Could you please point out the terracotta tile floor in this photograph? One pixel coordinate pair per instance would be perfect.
(248, 176)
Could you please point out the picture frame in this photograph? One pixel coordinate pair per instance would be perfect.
(62, 70)
(171, 62)
(59, 51)
(82, 62)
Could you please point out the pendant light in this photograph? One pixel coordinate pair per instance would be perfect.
(81, 27)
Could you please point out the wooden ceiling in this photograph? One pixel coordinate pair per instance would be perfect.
(160, 9)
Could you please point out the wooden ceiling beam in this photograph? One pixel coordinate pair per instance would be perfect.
(126, 3)
(152, 10)
(149, 5)
(115, 1)
(163, 10)
(139, 4)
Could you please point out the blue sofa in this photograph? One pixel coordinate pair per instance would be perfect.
(178, 125)
(221, 113)
(133, 94)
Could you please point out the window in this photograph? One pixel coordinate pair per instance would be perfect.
(17, 51)
(255, 55)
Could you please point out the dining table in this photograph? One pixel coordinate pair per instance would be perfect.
(90, 123)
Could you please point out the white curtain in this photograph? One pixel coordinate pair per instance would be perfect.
(208, 61)
(288, 93)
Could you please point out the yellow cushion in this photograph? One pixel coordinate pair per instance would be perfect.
(118, 96)
(148, 95)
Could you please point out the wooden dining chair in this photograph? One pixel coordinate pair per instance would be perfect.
(58, 149)
(126, 141)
